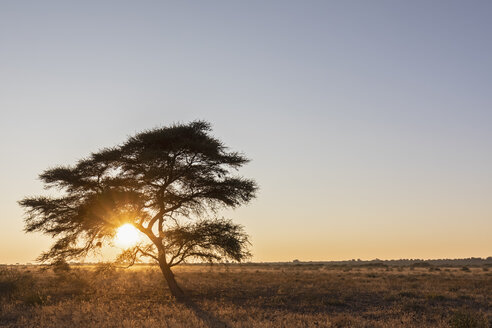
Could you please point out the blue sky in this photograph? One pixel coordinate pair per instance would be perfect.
(367, 122)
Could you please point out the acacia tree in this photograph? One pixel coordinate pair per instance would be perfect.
(165, 182)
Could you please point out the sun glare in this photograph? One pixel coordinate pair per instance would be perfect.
(126, 236)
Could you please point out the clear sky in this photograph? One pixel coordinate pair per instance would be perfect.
(369, 123)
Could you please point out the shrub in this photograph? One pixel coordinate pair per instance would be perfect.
(466, 319)
(13, 281)
(17, 285)
(61, 267)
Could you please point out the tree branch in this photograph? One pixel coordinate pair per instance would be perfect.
(147, 254)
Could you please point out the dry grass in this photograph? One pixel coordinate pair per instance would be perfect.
(247, 296)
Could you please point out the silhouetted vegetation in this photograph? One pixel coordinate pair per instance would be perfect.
(162, 181)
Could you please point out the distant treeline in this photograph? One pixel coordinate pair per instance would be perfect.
(471, 261)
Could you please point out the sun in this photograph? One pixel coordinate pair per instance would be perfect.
(126, 236)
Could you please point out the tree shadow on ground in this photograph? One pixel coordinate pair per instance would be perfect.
(208, 318)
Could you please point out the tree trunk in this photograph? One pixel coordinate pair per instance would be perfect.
(176, 291)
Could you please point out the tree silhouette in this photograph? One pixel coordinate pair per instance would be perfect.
(165, 182)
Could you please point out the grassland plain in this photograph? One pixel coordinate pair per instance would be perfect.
(247, 296)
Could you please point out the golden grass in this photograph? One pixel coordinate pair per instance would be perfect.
(247, 296)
